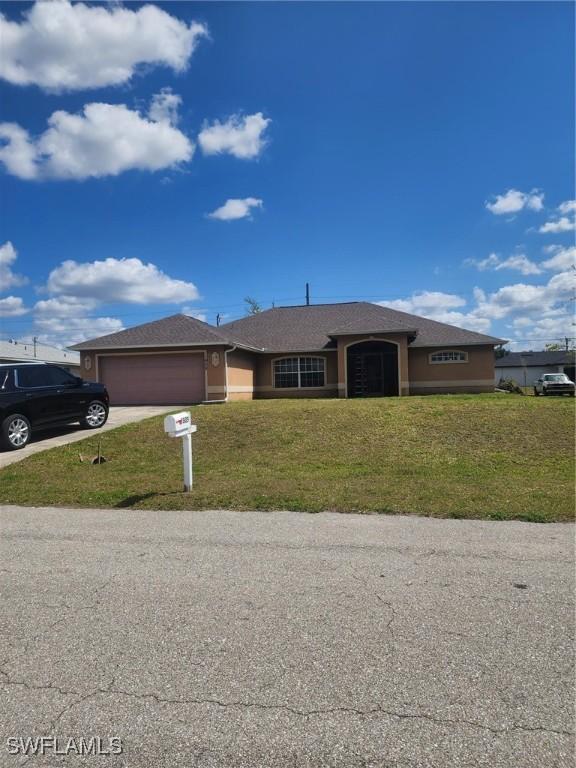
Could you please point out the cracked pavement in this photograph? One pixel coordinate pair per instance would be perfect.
(284, 639)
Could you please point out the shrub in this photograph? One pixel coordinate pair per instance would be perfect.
(510, 385)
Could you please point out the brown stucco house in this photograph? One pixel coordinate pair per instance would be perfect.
(354, 349)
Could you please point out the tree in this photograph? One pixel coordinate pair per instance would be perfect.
(553, 347)
(252, 306)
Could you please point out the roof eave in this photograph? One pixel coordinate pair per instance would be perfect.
(489, 342)
(335, 334)
(94, 348)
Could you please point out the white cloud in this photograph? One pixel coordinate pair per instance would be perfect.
(427, 300)
(569, 206)
(164, 107)
(521, 263)
(550, 327)
(236, 209)
(238, 136)
(119, 280)
(17, 151)
(521, 322)
(198, 314)
(12, 306)
(490, 262)
(441, 307)
(514, 201)
(9, 279)
(524, 299)
(77, 290)
(518, 261)
(63, 320)
(66, 331)
(104, 140)
(60, 46)
(541, 307)
(64, 306)
(564, 222)
(562, 260)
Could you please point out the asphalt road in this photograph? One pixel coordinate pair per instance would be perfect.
(280, 639)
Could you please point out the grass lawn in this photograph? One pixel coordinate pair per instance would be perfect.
(478, 456)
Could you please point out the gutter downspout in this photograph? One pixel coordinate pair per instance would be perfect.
(226, 368)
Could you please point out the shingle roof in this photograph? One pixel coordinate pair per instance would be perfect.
(529, 359)
(287, 329)
(292, 329)
(174, 330)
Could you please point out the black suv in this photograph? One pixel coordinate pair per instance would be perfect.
(35, 396)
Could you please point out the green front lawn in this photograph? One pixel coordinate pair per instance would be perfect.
(477, 456)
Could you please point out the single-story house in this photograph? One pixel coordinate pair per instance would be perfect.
(526, 367)
(12, 351)
(354, 349)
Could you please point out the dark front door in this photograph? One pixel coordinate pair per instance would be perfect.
(373, 373)
(367, 374)
(372, 369)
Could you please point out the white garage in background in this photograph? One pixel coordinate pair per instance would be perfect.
(526, 367)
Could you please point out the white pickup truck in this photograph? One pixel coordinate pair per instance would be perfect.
(554, 384)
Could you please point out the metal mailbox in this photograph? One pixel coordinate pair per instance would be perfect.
(180, 425)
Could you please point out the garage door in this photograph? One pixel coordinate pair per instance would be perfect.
(153, 379)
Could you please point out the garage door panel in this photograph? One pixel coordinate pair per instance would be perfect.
(170, 379)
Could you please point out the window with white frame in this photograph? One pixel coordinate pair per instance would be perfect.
(449, 356)
(299, 372)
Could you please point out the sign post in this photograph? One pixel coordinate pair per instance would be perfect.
(180, 425)
(187, 456)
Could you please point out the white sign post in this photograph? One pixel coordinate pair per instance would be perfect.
(180, 425)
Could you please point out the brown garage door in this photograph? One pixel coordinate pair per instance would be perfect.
(153, 379)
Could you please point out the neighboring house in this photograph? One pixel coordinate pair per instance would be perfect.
(324, 350)
(29, 352)
(526, 367)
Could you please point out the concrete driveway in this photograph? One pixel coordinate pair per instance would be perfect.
(118, 416)
(282, 639)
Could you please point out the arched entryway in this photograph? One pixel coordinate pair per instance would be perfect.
(372, 369)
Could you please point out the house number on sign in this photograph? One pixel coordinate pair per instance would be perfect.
(215, 359)
(180, 425)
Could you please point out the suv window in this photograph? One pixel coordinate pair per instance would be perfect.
(5, 378)
(58, 377)
(33, 376)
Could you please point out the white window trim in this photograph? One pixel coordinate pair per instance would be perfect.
(298, 357)
(447, 362)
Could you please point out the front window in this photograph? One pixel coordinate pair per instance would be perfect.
(555, 377)
(299, 372)
(59, 377)
(449, 356)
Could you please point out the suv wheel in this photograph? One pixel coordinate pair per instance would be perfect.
(15, 432)
(96, 415)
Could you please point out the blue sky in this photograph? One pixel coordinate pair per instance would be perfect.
(417, 154)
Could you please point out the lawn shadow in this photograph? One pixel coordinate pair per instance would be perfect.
(130, 501)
